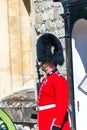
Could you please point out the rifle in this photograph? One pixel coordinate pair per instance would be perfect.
(39, 75)
(34, 116)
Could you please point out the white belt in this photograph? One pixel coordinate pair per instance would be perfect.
(40, 108)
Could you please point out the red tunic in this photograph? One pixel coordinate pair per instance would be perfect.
(53, 90)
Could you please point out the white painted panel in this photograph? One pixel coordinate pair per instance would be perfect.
(79, 54)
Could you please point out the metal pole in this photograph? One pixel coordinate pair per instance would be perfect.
(69, 64)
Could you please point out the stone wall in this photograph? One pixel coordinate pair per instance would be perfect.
(16, 51)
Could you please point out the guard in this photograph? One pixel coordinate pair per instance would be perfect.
(53, 90)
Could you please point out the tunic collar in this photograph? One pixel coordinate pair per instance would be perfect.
(51, 72)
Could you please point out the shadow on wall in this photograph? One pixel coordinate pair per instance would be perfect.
(27, 5)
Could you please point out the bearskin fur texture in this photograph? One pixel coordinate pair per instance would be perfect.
(49, 49)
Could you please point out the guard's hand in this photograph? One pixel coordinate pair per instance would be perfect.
(55, 128)
(33, 106)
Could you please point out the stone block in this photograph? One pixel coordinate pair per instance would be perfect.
(19, 106)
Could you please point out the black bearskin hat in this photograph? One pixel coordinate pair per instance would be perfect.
(49, 49)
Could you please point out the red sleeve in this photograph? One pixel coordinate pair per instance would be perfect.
(61, 98)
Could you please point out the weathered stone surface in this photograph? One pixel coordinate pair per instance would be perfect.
(19, 106)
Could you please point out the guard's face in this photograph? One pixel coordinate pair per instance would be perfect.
(44, 65)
